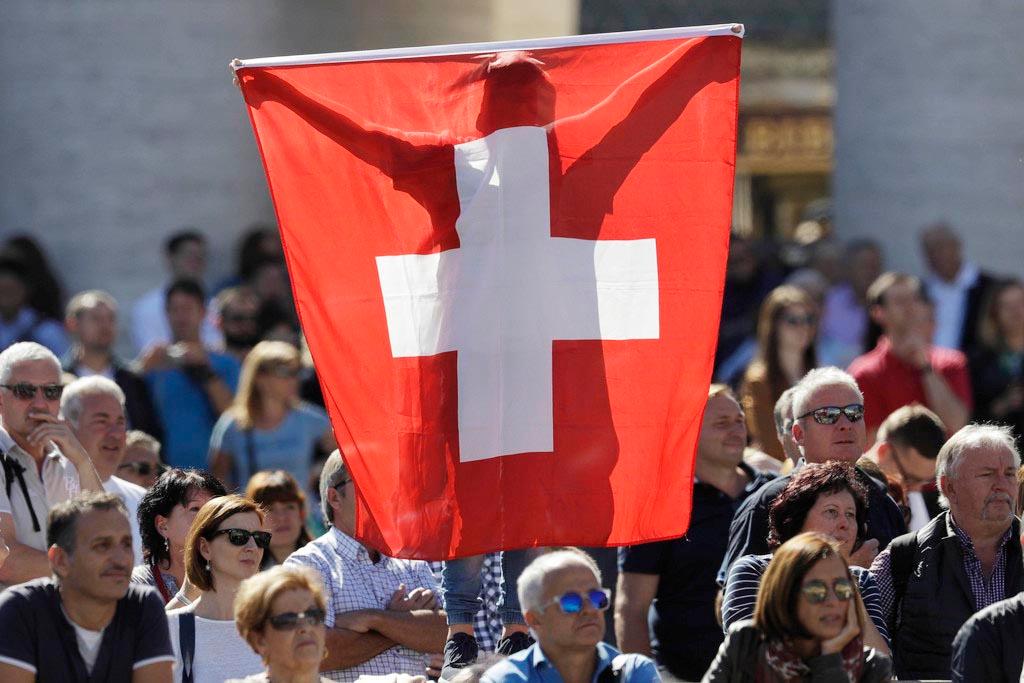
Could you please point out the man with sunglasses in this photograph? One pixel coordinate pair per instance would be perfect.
(95, 409)
(383, 614)
(42, 461)
(828, 408)
(969, 557)
(87, 622)
(563, 603)
(905, 367)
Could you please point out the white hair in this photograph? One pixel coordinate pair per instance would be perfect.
(24, 352)
(818, 379)
(531, 581)
(74, 395)
(973, 437)
(332, 472)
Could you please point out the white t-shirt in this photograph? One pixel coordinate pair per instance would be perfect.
(220, 651)
(131, 494)
(88, 642)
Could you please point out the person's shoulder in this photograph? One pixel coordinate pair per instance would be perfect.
(128, 489)
(515, 667)
(313, 552)
(310, 411)
(34, 592)
(996, 615)
(866, 365)
(222, 361)
(943, 358)
(751, 563)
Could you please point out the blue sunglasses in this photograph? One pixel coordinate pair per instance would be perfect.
(572, 602)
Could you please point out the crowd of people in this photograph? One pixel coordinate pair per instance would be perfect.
(186, 515)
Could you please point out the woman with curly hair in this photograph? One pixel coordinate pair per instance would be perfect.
(826, 498)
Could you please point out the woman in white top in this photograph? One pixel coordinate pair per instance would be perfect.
(224, 547)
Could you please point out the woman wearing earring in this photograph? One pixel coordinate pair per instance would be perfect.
(807, 626)
(165, 514)
(224, 547)
(280, 613)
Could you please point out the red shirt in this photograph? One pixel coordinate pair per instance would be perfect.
(889, 382)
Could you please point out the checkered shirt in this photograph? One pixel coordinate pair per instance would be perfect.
(352, 582)
(985, 592)
(487, 624)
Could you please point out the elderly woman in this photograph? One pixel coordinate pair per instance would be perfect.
(165, 515)
(280, 614)
(224, 547)
(284, 504)
(807, 626)
(829, 499)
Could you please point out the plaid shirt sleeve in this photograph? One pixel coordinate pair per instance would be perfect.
(881, 569)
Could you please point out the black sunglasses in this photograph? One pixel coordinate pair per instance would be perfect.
(240, 537)
(27, 392)
(289, 621)
(816, 590)
(829, 415)
(143, 469)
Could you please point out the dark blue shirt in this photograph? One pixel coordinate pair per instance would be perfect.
(686, 633)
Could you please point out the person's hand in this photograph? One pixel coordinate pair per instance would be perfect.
(154, 358)
(356, 620)
(850, 631)
(55, 430)
(915, 350)
(865, 554)
(435, 662)
(418, 598)
(192, 354)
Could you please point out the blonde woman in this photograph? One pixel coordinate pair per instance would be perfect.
(267, 426)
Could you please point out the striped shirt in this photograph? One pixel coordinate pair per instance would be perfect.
(352, 581)
(745, 577)
(985, 591)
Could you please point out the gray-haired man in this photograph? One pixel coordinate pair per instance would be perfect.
(964, 560)
(383, 614)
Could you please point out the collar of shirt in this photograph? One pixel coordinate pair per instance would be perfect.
(605, 655)
(965, 279)
(756, 478)
(967, 543)
(351, 549)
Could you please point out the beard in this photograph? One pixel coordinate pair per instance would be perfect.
(244, 340)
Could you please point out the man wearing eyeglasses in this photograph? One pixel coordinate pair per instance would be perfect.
(42, 462)
(562, 600)
(828, 425)
(383, 614)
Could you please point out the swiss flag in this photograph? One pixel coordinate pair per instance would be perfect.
(508, 260)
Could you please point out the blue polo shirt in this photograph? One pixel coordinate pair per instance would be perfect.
(531, 666)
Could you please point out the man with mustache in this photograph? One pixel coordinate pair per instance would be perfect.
(87, 622)
(967, 558)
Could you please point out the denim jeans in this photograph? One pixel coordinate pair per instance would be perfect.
(460, 582)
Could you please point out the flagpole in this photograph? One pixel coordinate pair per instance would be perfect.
(735, 30)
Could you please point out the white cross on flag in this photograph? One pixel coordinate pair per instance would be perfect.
(508, 259)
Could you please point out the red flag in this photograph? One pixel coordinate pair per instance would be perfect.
(508, 261)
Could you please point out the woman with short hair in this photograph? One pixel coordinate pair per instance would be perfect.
(284, 505)
(224, 547)
(808, 623)
(826, 498)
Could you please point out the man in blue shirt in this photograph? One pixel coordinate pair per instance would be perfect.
(190, 385)
(562, 601)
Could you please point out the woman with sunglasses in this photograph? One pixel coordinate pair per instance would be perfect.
(787, 326)
(825, 498)
(808, 623)
(280, 614)
(267, 426)
(284, 504)
(224, 547)
(165, 515)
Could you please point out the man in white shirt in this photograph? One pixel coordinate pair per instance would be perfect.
(185, 251)
(43, 462)
(957, 288)
(94, 407)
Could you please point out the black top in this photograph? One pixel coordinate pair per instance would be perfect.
(748, 534)
(988, 647)
(686, 634)
(39, 638)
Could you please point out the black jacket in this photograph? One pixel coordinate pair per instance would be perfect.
(738, 658)
(990, 646)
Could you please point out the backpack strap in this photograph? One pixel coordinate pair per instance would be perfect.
(187, 641)
(902, 552)
(15, 470)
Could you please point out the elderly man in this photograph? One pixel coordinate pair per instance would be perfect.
(94, 407)
(828, 425)
(91, 318)
(43, 462)
(382, 613)
(967, 558)
(677, 576)
(89, 622)
(783, 416)
(562, 601)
